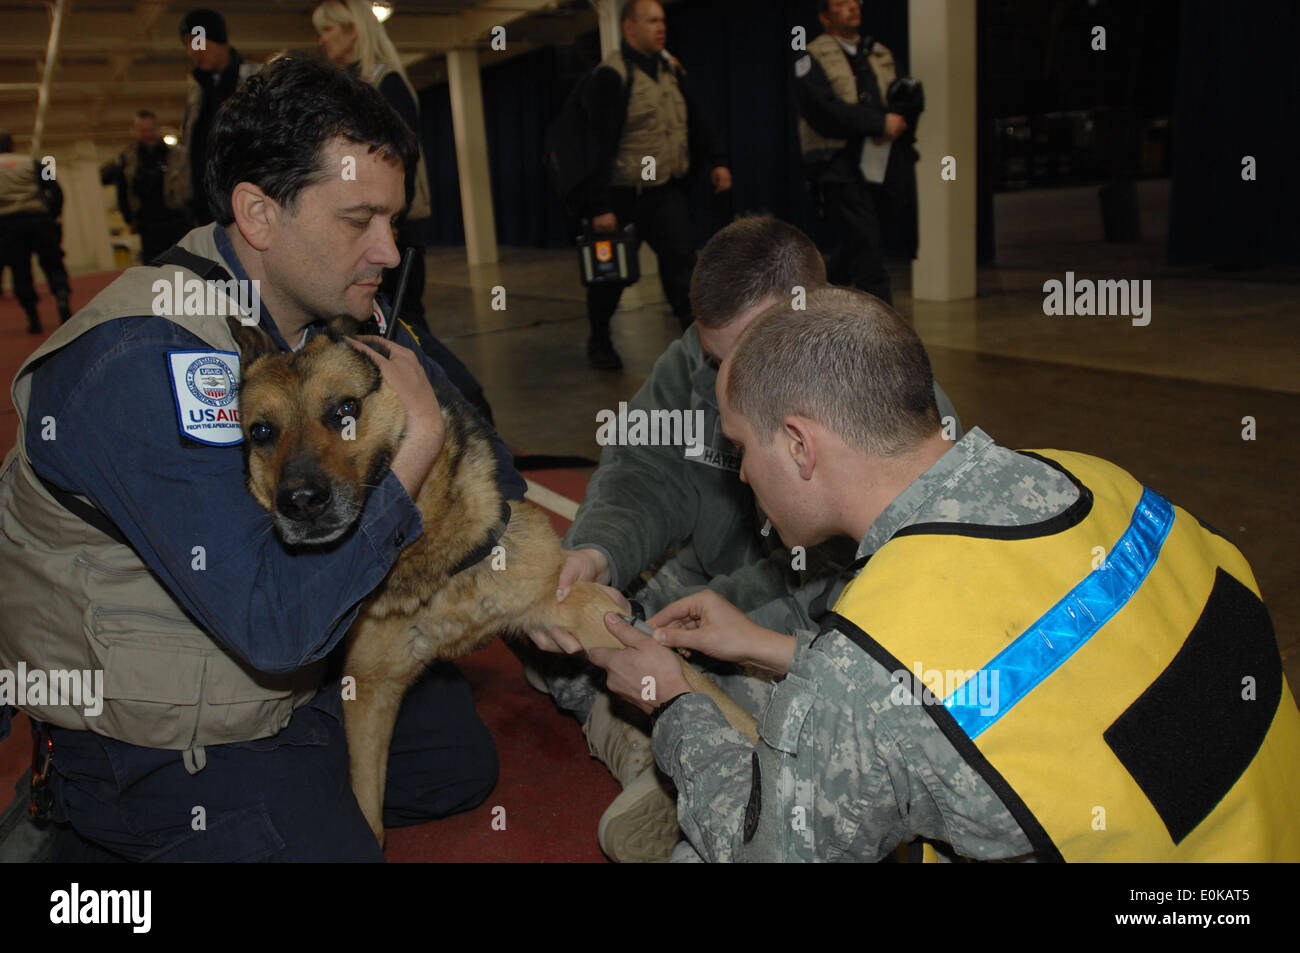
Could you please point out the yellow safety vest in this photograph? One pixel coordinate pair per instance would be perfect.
(1112, 673)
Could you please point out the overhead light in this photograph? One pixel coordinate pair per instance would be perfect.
(170, 139)
(382, 11)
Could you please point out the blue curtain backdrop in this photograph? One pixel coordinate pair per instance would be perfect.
(1238, 95)
(738, 56)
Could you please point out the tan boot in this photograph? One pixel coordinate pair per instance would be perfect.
(640, 825)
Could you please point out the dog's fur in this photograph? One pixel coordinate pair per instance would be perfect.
(314, 483)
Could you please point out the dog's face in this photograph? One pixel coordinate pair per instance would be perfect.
(321, 428)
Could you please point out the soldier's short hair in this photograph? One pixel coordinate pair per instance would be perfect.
(629, 9)
(145, 114)
(850, 362)
(750, 261)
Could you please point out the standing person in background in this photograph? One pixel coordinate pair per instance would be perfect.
(141, 175)
(219, 68)
(30, 203)
(856, 129)
(351, 37)
(642, 109)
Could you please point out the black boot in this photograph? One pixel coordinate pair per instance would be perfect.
(65, 312)
(601, 354)
(34, 322)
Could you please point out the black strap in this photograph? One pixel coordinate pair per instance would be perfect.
(484, 549)
(205, 268)
(90, 514)
(820, 606)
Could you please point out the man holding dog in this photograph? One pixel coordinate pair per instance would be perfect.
(643, 502)
(987, 681)
(220, 733)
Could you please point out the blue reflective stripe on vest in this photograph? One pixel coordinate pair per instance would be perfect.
(1042, 648)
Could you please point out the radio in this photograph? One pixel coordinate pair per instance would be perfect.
(608, 257)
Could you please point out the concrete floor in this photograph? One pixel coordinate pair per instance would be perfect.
(1165, 401)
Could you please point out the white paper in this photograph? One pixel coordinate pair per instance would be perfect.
(874, 160)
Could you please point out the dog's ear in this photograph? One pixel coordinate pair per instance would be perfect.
(253, 342)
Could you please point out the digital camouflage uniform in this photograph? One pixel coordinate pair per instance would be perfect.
(843, 772)
(647, 501)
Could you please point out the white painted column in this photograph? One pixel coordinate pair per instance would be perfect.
(943, 58)
(611, 28)
(86, 242)
(471, 156)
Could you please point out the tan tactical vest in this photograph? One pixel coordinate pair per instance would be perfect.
(75, 600)
(656, 126)
(421, 201)
(830, 56)
(19, 191)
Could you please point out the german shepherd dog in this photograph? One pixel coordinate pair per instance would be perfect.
(321, 427)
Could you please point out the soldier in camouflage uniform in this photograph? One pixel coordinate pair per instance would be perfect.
(855, 759)
(648, 502)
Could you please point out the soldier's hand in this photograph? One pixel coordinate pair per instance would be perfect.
(605, 223)
(895, 125)
(562, 640)
(721, 179)
(582, 565)
(706, 622)
(555, 640)
(644, 673)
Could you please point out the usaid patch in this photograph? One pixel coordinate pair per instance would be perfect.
(205, 385)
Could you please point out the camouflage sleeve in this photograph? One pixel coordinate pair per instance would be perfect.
(709, 761)
(846, 770)
(784, 591)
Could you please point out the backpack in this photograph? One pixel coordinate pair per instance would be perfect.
(571, 152)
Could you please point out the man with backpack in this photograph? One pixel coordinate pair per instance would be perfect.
(140, 174)
(647, 136)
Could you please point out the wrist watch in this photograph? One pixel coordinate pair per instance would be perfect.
(660, 709)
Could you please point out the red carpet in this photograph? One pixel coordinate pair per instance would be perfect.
(552, 791)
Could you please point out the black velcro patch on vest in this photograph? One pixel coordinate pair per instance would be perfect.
(1188, 738)
(755, 805)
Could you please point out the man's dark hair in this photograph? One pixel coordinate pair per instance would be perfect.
(629, 9)
(145, 114)
(271, 130)
(6, 141)
(213, 23)
(751, 260)
(849, 362)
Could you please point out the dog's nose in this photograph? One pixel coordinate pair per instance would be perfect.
(303, 501)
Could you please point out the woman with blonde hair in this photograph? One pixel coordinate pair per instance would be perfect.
(352, 38)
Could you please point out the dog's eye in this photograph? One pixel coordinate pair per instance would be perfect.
(261, 432)
(349, 407)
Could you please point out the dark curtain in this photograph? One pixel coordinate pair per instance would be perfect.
(738, 57)
(445, 226)
(1238, 95)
